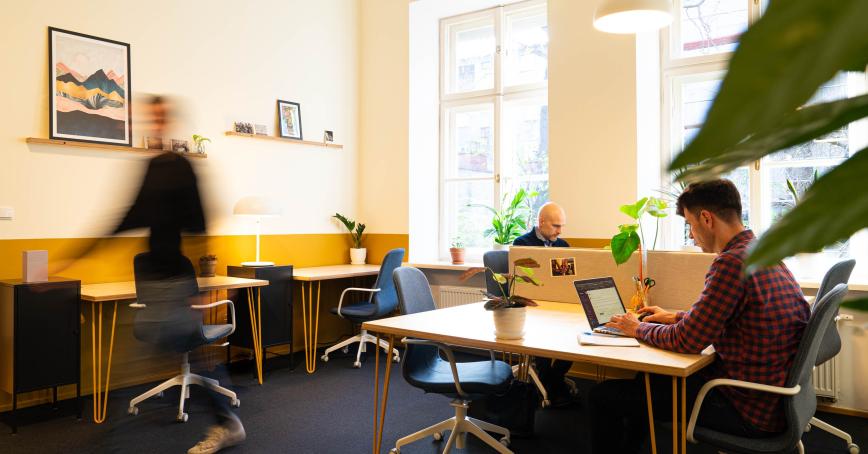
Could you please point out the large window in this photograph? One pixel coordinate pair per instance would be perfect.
(695, 52)
(493, 117)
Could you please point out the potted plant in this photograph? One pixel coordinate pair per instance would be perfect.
(508, 309)
(631, 237)
(511, 221)
(207, 265)
(357, 252)
(200, 142)
(457, 251)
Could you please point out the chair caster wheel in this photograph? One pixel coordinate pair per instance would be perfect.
(357, 365)
(236, 403)
(394, 451)
(854, 448)
(545, 403)
(182, 417)
(396, 359)
(504, 441)
(324, 358)
(438, 436)
(133, 411)
(345, 350)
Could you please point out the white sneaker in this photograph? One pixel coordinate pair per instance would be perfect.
(219, 437)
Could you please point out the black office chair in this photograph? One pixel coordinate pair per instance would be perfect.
(799, 401)
(831, 343)
(425, 369)
(164, 289)
(382, 302)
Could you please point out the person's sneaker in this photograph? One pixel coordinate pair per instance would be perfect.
(219, 437)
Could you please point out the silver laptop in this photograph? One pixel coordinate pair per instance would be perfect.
(601, 300)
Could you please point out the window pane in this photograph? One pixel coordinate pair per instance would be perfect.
(525, 137)
(696, 99)
(464, 221)
(710, 26)
(471, 144)
(527, 46)
(781, 199)
(741, 178)
(471, 63)
(541, 187)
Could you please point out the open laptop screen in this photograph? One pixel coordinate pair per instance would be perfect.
(600, 299)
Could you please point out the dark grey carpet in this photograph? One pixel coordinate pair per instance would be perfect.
(330, 411)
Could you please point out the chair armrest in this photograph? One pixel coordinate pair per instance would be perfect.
(353, 289)
(694, 415)
(220, 303)
(137, 305)
(449, 356)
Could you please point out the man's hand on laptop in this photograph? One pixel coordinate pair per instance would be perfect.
(657, 315)
(626, 323)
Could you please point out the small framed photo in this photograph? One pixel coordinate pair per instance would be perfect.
(563, 267)
(328, 136)
(180, 146)
(260, 130)
(243, 127)
(154, 143)
(289, 119)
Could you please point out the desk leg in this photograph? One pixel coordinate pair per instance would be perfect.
(256, 327)
(683, 415)
(310, 323)
(100, 395)
(674, 414)
(650, 413)
(378, 425)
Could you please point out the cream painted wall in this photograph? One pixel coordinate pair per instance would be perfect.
(224, 61)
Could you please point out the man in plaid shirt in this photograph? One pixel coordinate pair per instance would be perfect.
(754, 321)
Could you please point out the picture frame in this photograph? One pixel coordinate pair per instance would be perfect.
(328, 136)
(289, 119)
(180, 146)
(243, 127)
(565, 266)
(89, 89)
(260, 129)
(154, 143)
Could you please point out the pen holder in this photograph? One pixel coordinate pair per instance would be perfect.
(639, 299)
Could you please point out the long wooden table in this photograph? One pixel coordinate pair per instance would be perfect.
(551, 331)
(310, 310)
(113, 292)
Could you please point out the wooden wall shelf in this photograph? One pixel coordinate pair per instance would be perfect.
(106, 147)
(283, 139)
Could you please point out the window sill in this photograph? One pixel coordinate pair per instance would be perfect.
(809, 285)
(438, 265)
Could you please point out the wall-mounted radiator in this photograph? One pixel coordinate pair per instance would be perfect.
(456, 296)
(826, 379)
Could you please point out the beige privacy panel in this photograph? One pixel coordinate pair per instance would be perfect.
(680, 276)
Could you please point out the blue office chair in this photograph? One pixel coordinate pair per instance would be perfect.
(425, 369)
(497, 261)
(799, 401)
(831, 344)
(165, 318)
(381, 303)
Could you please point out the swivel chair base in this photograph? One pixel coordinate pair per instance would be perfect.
(184, 380)
(545, 402)
(852, 448)
(363, 338)
(460, 425)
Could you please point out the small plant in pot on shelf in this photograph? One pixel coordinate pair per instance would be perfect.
(508, 308)
(457, 251)
(631, 237)
(200, 142)
(207, 265)
(357, 252)
(512, 220)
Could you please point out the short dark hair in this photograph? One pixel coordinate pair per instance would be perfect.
(720, 197)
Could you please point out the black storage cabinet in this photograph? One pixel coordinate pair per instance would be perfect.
(276, 308)
(41, 337)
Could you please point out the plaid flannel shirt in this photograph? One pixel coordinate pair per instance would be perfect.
(754, 322)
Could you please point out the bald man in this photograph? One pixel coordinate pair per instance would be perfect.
(550, 220)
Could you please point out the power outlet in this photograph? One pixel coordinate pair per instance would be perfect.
(7, 213)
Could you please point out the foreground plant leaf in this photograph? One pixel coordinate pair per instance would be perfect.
(623, 246)
(857, 304)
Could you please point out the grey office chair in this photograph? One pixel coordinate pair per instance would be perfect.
(425, 369)
(799, 400)
(831, 344)
(165, 318)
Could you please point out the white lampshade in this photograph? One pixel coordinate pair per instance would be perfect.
(632, 16)
(256, 206)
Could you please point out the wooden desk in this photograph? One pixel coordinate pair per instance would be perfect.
(309, 312)
(112, 292)
(552, 331)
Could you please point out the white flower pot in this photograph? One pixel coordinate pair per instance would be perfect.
(509, 322)
(500, 247)
(357, 256)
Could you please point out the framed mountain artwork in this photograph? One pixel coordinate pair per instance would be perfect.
(90, 88)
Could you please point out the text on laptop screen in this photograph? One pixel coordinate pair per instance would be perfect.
(606, 303)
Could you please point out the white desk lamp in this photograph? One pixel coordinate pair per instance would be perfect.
(259, 207)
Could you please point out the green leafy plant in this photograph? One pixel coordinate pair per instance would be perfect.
(780, 62)
(631, 237)
(511, 221)
(354, 229)
(200, 142)
(522, 271)
(791, 187)
(458, 243)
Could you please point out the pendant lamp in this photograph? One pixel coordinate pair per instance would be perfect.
(632, 16)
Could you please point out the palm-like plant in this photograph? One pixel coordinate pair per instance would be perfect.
(354, 229)
(511, 221)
